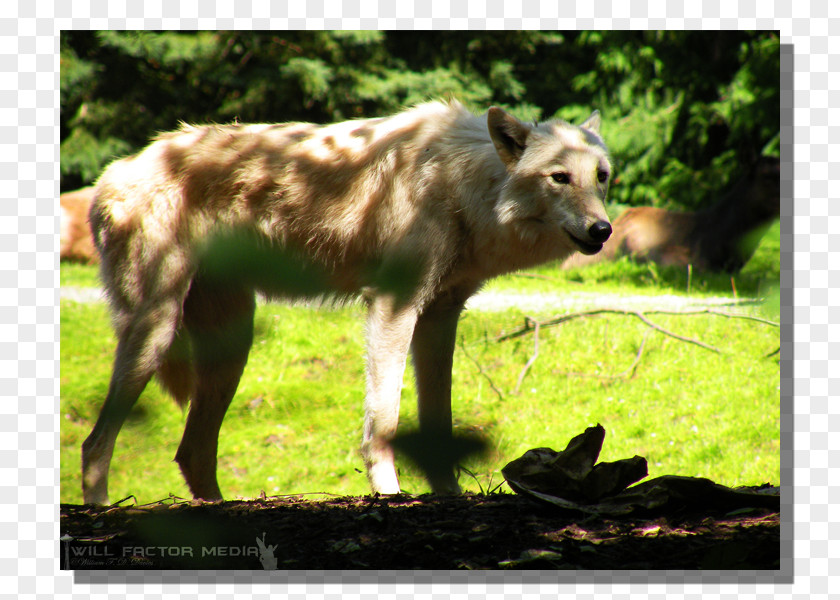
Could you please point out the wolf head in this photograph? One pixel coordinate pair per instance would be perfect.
(558, 177)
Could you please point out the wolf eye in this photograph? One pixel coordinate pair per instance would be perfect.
(602, 176)
(560, 177)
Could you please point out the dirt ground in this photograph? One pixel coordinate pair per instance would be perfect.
(495, 531)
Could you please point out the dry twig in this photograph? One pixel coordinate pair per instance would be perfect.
(632, 368)
(671, 334)
(481, 370)
(533, 356)
(534, 325)
(773, 353)
(598, 311)
(530, 323)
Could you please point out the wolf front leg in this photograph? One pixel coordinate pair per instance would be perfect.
(432, 348)
(389, 332)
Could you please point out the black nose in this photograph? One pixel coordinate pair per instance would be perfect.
(600, 231)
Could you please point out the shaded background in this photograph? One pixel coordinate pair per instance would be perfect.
(684, 113)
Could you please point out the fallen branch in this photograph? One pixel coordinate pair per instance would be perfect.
(711, 311)
(632, 368)
(673, 335)
(481, 370)
(527, 328)
(773, 353)
(533, 356)
(638, 314)
(530, 324)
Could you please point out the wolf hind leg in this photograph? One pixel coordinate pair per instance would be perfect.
(219, 321)
(142, 342)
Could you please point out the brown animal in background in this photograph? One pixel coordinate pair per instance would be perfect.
(436, 190)
(716, 239)
(76, 239)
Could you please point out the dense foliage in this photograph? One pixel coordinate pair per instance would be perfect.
(684, 112)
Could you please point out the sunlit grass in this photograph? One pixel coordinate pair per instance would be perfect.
(758, 277)
(296, 422)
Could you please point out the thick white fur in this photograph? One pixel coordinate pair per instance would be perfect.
(461, 197)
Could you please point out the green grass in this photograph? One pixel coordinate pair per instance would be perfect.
(295, 424)
(759, 276)
(78, 275)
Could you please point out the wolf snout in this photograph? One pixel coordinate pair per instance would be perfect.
(600, 231)
(595, 236)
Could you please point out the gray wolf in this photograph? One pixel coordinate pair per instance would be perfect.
(721, 237)
(458, 198)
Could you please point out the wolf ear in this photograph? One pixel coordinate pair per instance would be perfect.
(593, 123)
(508, 133)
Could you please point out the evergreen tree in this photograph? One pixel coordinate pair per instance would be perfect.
(684, 113)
